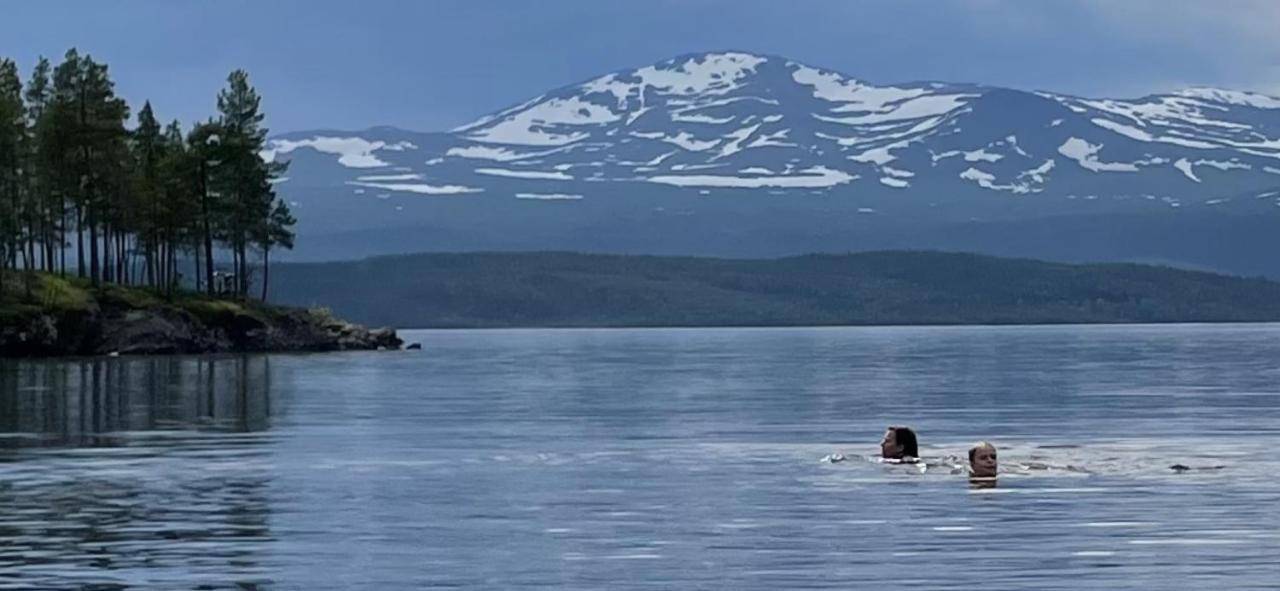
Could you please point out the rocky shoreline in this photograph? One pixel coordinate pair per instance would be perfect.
(120, 322)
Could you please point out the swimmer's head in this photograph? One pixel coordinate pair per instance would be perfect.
(982, 460)
(898, 443)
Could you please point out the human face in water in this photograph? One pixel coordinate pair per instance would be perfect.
(984, 463)
(889, 447)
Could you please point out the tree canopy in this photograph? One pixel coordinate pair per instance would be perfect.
(83, 192)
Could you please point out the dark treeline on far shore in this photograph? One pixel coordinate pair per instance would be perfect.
(84, 192)
(566, 289)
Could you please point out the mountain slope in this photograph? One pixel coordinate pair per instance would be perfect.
(729, 135)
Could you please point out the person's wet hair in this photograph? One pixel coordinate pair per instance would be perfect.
(906, 438)
(989, 466)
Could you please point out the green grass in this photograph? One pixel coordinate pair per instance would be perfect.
(54, 294)
(128, 297)
(61, 294)
(26, 296)
(211, 311)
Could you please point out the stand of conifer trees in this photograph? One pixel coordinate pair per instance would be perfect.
(82, 193)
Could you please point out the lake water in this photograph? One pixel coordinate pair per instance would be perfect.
(654, 459)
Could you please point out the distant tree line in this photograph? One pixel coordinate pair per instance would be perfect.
(81, 192)
(541, 289)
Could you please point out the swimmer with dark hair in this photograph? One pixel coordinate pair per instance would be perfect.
(983, 461)
(899, 445)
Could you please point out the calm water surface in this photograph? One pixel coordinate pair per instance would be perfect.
(661, 459)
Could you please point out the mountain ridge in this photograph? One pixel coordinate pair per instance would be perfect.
(693, 92)
(741, 133)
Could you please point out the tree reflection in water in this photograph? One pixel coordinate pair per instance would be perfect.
(127, 472)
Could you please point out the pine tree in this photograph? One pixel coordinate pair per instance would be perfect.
(60, 163)
(64, 159)
(277, 231)
(12, 130)
(177, 227)
(205, 149)
(245, 177)
(148, 191)
(102, 140)
(47, 206)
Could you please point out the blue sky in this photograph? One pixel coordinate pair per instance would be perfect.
(433, 65)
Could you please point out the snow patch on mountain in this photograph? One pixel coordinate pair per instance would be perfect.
(391, 177)
(495, 153)
(818, 176)
(987, 180)
(979, 155)
(352, 152)
(1221, 165)
(917, 108)
(1232, 97)
(700, 119)
(525, 174)
(400, 146)
(772, 139)
(878, 156)
(532, 126)
(852, 94)
(548, 196)
(687, 141)
(420, 188)
(1086, 155)
(1185, 166)
(734, 143)
(710, 74)
(1037, 175)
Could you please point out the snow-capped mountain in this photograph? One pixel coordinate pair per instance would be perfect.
(735, 133)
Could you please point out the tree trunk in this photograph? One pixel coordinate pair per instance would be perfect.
(149, 258)
(266, 271)
(95, 270)
(208, 230)
(49, 261)
(103, 254)
(80, 266)
(63, 245)
(243, 277)
(198, 274)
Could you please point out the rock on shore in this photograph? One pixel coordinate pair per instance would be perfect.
(121, 322)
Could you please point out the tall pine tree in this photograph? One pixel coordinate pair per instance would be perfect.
(277, 231)
(47, 207)
(148, 188)
(12, 130)
(245, 178)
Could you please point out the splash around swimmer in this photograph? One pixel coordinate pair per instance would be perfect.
(899, 445)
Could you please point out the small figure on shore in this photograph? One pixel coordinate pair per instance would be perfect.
(899, 445)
